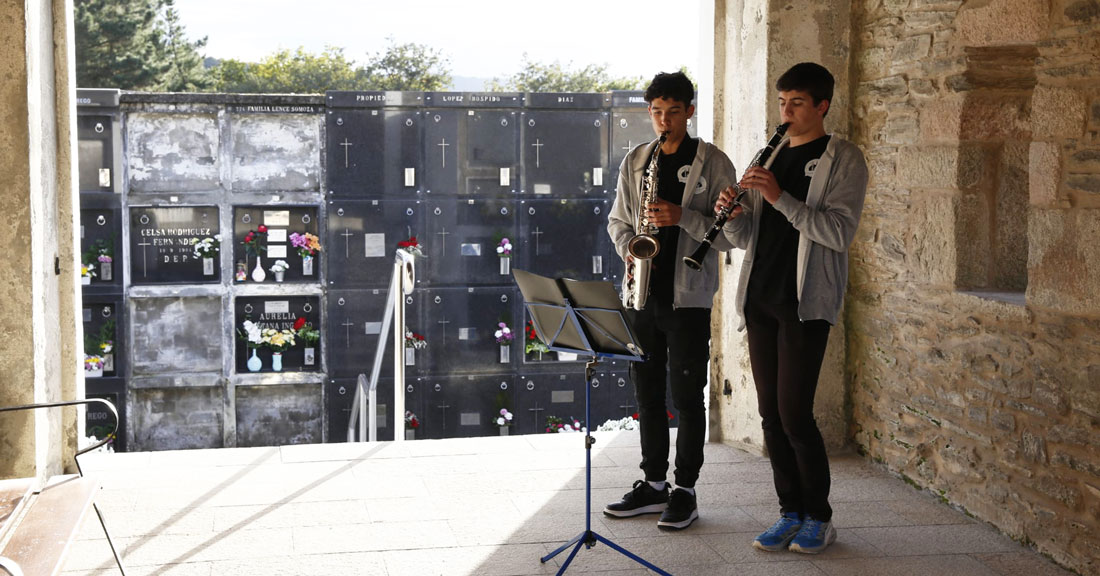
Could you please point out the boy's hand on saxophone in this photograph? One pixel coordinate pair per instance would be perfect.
(663, 213)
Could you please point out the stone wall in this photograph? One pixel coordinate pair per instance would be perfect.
(974, 307)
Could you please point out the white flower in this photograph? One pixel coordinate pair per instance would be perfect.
(498, 333)
(500, 249)
(501, 421)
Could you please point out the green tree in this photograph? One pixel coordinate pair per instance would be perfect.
(539, 77)
(407, 67)
(186, 71)
(286, 72)
(134, 45)
(399, 67)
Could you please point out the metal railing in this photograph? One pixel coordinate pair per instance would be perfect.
(76, 459)
(366, 391)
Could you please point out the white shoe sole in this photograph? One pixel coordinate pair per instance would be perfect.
(830, 537)
(651, 509)
(664, 525)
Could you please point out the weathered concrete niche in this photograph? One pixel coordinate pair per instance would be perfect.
(177, 335)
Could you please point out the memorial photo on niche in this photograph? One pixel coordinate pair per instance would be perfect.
(175, 245)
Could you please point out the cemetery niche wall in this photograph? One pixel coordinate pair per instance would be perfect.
(251, 241)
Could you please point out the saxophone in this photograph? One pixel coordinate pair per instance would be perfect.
(643, 247)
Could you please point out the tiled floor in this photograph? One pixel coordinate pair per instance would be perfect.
(494, 506)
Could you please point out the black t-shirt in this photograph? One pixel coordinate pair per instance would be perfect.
(774, 269)
(671, 178)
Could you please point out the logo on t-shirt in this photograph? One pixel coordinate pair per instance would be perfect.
(682, 176)
(810, 167)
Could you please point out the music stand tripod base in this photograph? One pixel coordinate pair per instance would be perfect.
(584, 318)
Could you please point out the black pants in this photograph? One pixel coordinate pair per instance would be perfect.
(786, 356)
(678, 344)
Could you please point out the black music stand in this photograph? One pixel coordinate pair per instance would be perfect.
(584, 318)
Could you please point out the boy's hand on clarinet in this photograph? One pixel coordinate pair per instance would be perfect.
(761, 179)
(725, 198)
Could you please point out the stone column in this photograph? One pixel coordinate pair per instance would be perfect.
(759, 40)
(39, 320)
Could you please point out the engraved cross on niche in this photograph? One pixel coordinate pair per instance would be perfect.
(626, 409)
(345, 144)
(144, 271)
(443, 146)
(536, 234)
(628, 146)
(443, 408)
(443, 241)
(347, 332)
(444, 322)
(538, 148)
(347, 243)
(535, 414)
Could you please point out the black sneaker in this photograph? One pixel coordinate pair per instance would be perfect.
(643, 499)
(681, 511)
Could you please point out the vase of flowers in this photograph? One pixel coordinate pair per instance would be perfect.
(93, 366)
(555, 424)
(101, 255)
(413, 342)
(279, 268)
(254, 244)
(308, 245)
(533, 345)
(504, 337)
(207, 250)
(504, 250)
(87, 272)
(309, 336)
(411, 246)
(411, 424)
(503, 421)
(279, 341)
(253, 339)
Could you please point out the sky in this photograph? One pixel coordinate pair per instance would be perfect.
(481, 38)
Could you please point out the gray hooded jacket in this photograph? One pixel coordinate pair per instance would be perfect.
(710, 173)
(826, 223)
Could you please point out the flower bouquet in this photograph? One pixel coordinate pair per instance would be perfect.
(411, 246)
(503, 421)
(93, 366)
(411, 424)
(279, 268)
(504, 337)
(100, 253)
(207, 250)
(413, 342)
(628, 423)
(308, 246)
(253, 338)
(255, 243)
(87, 272)
(309, 336)
(504, 250)
(555, 424)
(533, 343)
(279, 341)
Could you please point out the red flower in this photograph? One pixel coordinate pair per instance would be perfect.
(248, 237)
(414, 423)
(299, 323)
(262, 229)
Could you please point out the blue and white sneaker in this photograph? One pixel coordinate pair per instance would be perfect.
(814, 536)
(780, 534)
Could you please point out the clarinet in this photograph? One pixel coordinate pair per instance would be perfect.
(695, 261)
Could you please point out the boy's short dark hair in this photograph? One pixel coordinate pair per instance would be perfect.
(672, 86)
(808, 77)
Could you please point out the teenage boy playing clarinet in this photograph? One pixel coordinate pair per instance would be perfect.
(795, 225)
